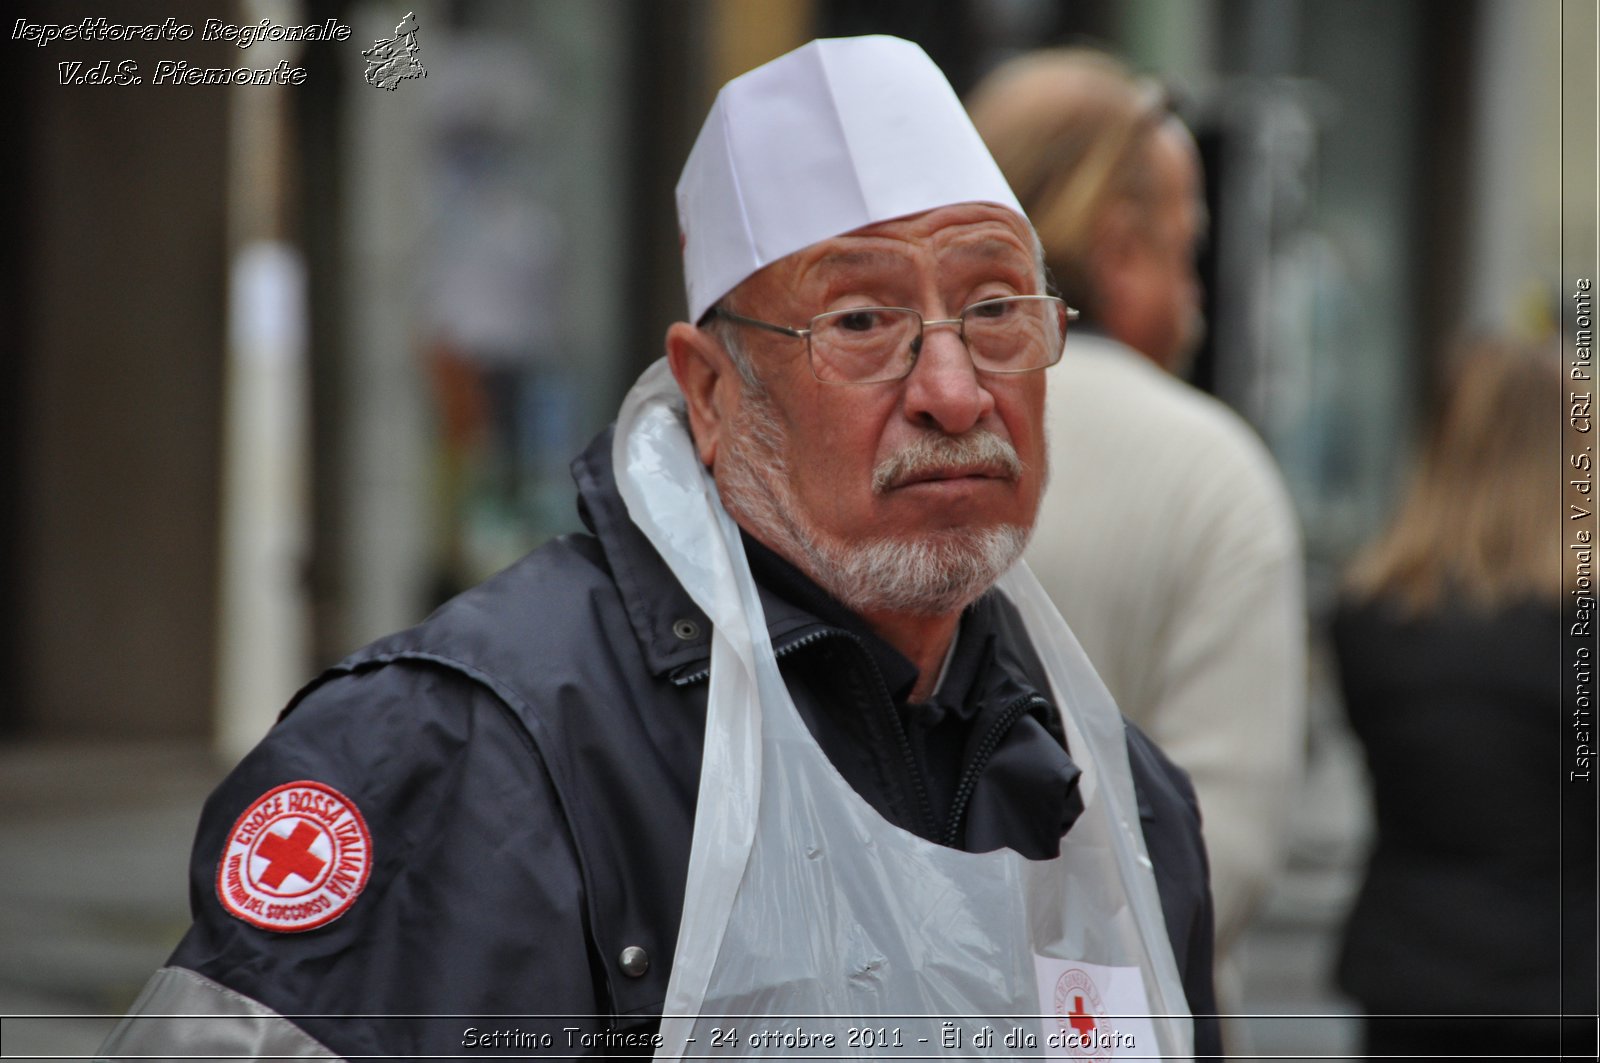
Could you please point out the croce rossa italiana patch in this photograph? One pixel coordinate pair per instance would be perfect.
(296, 859)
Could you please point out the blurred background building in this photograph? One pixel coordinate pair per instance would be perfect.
(286, 366)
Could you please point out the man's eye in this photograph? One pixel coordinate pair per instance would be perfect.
(996, 308)
(859, 321)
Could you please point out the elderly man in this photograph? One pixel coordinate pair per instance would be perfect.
(1170, 544)
(803, 762)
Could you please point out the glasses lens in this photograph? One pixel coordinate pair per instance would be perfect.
(863, 345)
(1016, 334)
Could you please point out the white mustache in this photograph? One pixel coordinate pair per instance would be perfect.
(980, 451)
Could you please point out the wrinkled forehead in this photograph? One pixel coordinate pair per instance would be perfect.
(967, 241)
(967, 228)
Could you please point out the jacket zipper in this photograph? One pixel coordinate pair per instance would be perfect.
(705, 673)
(908, 756)
(980, 760)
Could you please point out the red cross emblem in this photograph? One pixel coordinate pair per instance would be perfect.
(1078, 1007)
(1080, 1020)
(296, 858)
(290, 856)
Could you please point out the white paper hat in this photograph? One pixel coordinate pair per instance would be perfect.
(833, 136)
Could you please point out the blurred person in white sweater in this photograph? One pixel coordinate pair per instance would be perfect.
(1167, 538)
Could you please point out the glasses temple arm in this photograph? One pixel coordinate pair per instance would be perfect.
(782, 330)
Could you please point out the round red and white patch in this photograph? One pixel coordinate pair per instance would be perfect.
(1081, 1013)
(297, 859)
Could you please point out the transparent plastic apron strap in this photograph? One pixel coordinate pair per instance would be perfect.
(673, 500)
(1096, 734)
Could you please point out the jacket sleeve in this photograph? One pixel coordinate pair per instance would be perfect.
(469, 930)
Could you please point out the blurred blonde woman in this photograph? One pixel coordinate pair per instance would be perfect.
(1448, 642)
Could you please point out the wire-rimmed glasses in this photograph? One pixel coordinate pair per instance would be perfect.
(874, 344)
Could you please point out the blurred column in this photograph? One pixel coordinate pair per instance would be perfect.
(1514, 219)
(386, 470)
(745, 35)
(1176, 39)
(263, 631)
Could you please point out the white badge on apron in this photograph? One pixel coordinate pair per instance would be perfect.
(813, 926)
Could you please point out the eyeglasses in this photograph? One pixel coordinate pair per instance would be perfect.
(874, 344)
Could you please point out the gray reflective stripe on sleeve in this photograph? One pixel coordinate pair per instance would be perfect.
(180, 1014)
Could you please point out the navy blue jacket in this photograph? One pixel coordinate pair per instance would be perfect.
(527, 761)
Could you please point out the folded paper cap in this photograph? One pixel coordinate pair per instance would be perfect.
(835, 135)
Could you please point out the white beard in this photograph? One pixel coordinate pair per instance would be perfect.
(935, 573)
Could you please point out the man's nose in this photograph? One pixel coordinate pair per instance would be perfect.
(944, 390)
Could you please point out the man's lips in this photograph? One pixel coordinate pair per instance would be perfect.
(979, 455)
(925, 476)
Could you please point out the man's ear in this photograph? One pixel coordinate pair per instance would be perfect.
(708, 380)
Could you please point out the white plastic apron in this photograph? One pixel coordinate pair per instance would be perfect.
(806, 914)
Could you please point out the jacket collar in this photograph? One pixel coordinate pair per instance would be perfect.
(673, 632)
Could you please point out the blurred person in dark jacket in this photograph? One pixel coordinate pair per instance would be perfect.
(1167, 540)
(1479, 899)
